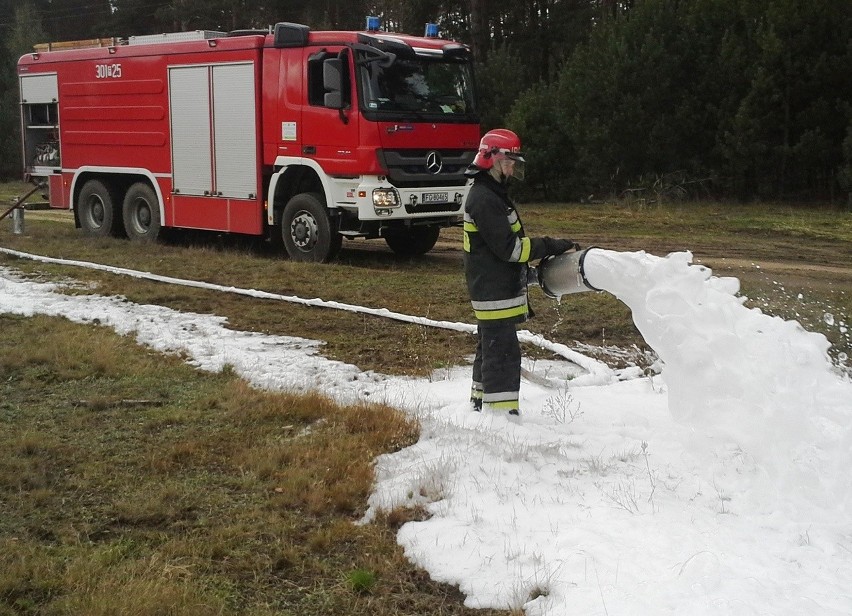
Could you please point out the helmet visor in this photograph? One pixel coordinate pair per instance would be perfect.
(520, 164)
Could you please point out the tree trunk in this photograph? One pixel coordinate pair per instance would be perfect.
(479, 34)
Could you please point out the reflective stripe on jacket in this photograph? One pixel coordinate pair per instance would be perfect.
(496, 252)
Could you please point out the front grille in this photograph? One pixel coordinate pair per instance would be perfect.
(431, 208)
(409, 168)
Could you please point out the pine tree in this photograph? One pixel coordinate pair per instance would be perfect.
(24, 32)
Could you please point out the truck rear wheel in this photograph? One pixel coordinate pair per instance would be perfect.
(307, 231)
(96, 210)
(141, 212)
(414, 241)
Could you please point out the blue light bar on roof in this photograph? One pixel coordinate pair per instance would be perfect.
(431, 31)
(374, 24)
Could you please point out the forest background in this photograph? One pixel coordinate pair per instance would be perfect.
(659, 99)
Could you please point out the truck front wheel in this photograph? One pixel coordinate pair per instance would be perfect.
(141, 212)
(308, 232)
(414, 241)
(96, 210)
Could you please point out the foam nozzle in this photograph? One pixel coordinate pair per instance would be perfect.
(565, 274)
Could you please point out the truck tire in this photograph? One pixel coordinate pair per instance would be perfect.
(413, 242)
(309, 234)
(141, 213)
(96, 210)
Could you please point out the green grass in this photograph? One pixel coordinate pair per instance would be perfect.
(432, 286)
(728, 237)
(362, 581)
(9, 190)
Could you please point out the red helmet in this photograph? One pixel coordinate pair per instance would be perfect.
(496, 144)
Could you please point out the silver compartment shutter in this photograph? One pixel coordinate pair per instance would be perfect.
(189, 107)
(235, 130)
(36, 89)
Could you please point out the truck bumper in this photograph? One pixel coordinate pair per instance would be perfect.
(372, 199)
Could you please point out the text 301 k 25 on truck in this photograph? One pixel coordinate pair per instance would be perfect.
(305, 137)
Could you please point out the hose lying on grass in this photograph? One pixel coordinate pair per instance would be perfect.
(597, 373)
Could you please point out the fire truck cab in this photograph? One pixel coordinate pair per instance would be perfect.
(304, 137)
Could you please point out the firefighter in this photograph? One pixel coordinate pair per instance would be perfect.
(496, 258)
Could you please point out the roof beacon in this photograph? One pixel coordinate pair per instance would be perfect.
(373, 24)
(431, 31)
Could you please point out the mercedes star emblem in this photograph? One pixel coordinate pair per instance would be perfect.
(434, 163)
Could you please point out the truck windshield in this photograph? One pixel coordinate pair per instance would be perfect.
(415, 87)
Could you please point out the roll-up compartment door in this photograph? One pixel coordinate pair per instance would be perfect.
(189, 108)
(235, 130)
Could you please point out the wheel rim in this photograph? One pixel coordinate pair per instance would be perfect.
(304, 231)
(142, 215)
(96, 211)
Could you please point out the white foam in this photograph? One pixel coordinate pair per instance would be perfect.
(737, 375)
(594, 504)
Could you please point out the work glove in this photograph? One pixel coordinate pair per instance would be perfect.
(557, 247)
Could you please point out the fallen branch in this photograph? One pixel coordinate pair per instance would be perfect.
(122, 404)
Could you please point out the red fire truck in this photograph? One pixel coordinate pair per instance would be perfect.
(304, 137)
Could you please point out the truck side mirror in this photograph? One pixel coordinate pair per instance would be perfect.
(332, 81)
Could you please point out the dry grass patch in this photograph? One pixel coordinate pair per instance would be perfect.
(218, 499)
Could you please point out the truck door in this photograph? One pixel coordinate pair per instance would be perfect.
(330, 136)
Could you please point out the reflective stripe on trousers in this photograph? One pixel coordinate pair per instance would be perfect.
(497, 365)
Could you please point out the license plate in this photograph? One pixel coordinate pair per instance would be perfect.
(436, 197)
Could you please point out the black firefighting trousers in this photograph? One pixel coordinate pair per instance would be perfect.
(497, 367)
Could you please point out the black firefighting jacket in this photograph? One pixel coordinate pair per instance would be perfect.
(496, 253)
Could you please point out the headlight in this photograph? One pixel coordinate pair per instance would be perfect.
(385, 197)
